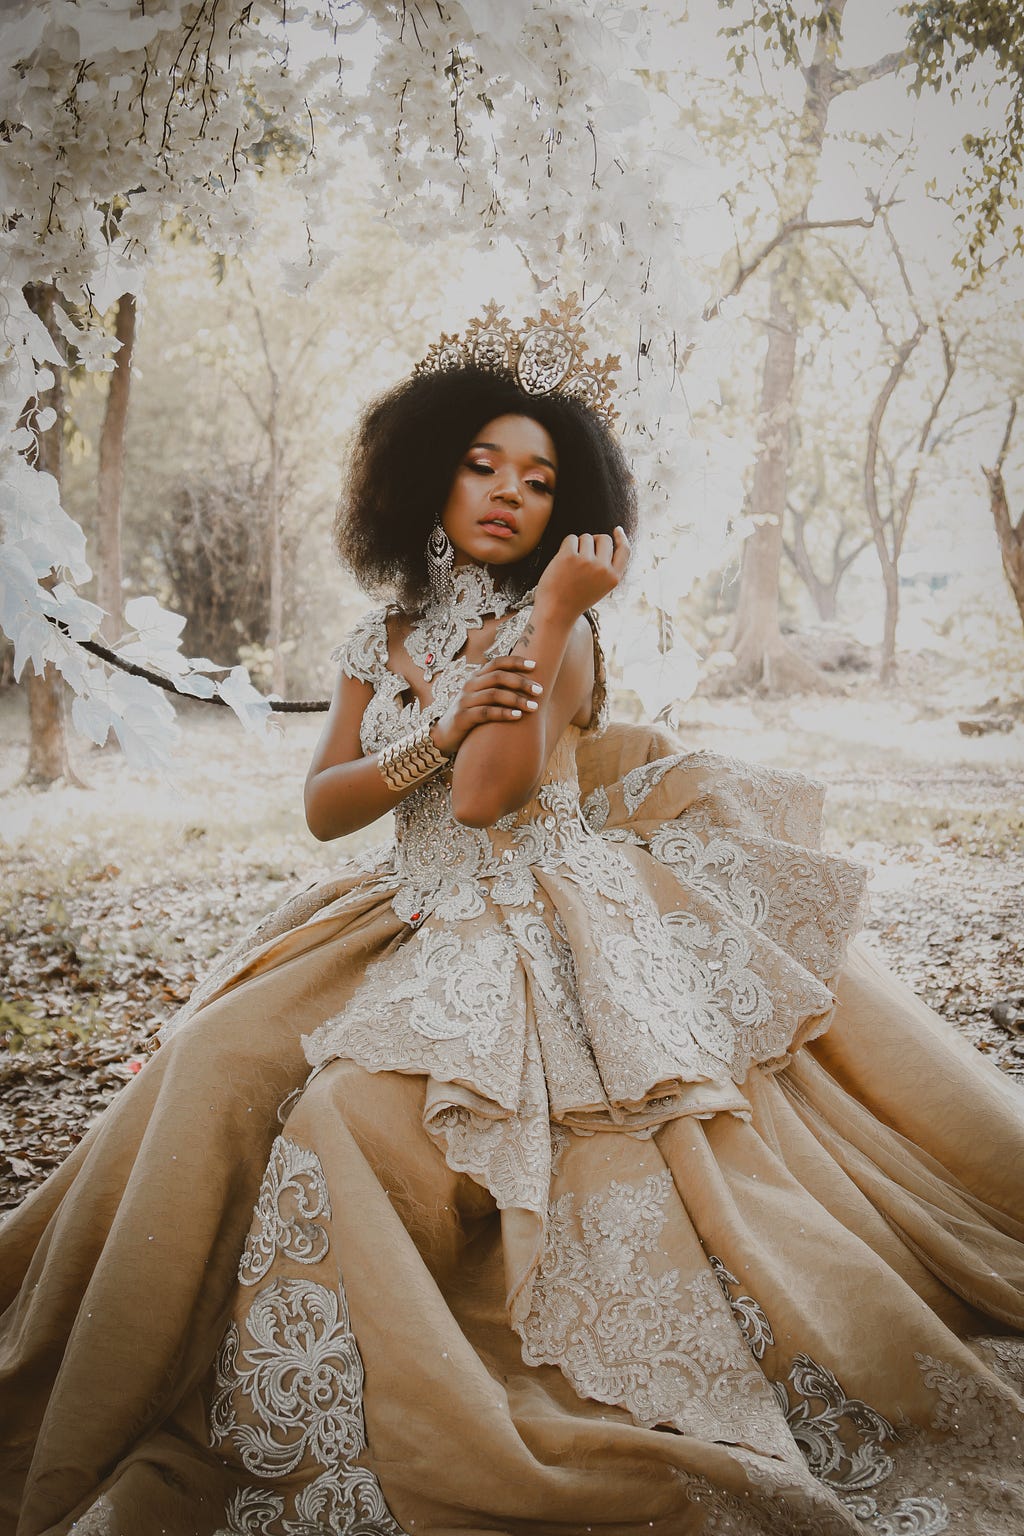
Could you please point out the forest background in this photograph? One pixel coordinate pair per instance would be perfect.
(833, 580)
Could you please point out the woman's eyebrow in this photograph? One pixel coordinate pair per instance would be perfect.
(535, 458)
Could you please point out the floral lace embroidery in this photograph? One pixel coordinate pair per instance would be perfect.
(510, 1155)
(668, 1353)
(570, 1070)
(1006, 1357)
(444, 1003)
(596, 809)
(639, 782)
(708, 1003)
(885, 1477)
(289, 1382)
(784, 804)
(293, 1194)
(301, 1375)
(805, 901)
(100, 1519)
(753, 1324)
(441, 631)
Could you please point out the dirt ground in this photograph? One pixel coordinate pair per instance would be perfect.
(116, 896)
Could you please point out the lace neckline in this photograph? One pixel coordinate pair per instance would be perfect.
(442, 629)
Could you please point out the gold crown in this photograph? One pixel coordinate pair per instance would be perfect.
(545, 357)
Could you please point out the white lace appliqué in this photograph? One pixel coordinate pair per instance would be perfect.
(623, 1333)
(292, 1196)
(289, 1380)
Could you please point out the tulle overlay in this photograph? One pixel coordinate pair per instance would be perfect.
(571, 1176)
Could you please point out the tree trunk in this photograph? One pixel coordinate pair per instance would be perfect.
(48, 760)
(824, 593)
(763, 658)
(891, 580)
(111, 474)
(1010, 535)
(826, 600)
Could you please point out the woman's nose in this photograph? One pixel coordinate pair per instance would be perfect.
(507, 489)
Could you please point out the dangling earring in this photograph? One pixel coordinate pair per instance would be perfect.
(440, 560)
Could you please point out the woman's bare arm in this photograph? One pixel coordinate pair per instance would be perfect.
(345, 790)
(499, 766)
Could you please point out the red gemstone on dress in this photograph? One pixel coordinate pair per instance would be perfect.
(416, 917)
(429, 658)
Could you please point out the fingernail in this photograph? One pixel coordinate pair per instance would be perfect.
(516, 714)
(532, 704)
(536, 687)
(529, 664)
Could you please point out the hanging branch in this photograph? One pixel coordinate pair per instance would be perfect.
(159, 680)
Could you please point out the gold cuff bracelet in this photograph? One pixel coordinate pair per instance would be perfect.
(412, 758)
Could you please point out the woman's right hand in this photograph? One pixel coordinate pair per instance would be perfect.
(502, 689)
(585, 568)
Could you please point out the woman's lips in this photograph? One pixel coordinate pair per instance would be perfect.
(498, 530)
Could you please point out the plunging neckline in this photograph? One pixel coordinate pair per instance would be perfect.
(489, 652)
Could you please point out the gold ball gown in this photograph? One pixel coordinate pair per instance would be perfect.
(577, 1175)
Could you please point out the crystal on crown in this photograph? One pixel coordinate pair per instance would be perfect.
(546, 356)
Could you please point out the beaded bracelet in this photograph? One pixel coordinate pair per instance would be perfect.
(412, 758)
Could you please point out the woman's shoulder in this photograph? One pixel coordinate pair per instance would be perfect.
(364, 651)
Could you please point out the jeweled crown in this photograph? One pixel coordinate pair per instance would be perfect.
(547, 356)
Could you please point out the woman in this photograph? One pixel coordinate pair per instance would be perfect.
(553, 1169)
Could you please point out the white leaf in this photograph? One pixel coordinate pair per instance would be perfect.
(251, 707)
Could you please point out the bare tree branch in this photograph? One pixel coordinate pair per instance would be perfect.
(853, 79)
(799, 225)
(1005, 445)
(910, 489)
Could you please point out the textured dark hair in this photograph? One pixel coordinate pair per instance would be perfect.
(406, 453)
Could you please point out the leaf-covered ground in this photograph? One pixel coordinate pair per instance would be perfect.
(116, 896)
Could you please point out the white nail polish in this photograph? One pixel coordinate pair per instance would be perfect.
(532, 704)
(537, 687)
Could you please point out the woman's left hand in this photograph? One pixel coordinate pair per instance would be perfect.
(586, 568)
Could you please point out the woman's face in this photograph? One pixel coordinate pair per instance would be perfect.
(503, 493)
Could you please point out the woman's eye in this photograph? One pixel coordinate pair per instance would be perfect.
(542, 487)
(479, 469)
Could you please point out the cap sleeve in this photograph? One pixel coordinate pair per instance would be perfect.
(363, 654)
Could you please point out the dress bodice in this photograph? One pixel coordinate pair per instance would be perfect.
(439, 861)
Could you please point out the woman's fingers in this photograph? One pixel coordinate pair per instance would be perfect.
(515, 699)
(482, 712)
(503, 677)
(506, 665)
(622, 551)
